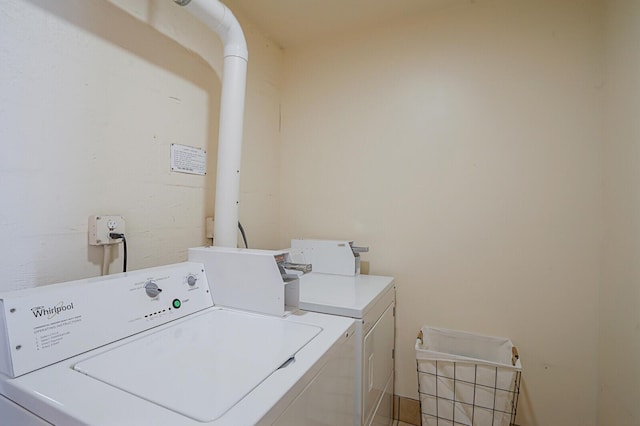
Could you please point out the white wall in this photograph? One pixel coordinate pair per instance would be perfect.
(90, 101)
(619, 385)
(464, 148)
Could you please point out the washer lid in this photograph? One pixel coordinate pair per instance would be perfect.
(201, 367)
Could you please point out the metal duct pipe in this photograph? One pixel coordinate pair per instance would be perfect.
(219, 18)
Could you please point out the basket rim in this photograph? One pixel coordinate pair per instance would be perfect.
(429, 355)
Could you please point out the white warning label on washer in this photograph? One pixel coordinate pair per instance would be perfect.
(188, 159)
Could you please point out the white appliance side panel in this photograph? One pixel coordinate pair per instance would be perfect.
(13, 414)
(383, 415)
(243, 279)
(329, 397)
(327, 256)
(375, 311)
(5, 344)
(203, 367)
(377, 362)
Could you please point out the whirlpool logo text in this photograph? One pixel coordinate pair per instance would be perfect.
(41, 311)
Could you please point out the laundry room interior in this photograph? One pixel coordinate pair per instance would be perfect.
(486, 151)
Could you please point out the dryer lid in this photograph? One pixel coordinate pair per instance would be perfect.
(201, 367)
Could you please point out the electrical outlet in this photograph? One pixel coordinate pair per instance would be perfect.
(100, 226)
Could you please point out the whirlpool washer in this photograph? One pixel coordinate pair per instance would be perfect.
(149, 347)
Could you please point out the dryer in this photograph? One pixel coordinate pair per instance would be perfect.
(370, 300)
(150, 347)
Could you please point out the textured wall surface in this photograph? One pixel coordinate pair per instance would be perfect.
(619, 385)
(92, 95)
(464, 148)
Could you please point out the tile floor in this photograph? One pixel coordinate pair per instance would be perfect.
(399, 423)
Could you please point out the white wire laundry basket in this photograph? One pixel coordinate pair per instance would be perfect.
(466, 378)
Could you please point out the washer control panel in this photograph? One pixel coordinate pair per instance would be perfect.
(44, 325)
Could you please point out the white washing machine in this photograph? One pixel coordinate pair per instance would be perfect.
(150, 348)
(370, 300)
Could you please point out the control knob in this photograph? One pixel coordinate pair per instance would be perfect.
(191, 280)
(152, 289)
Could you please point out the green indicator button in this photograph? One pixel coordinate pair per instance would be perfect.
(176, 303)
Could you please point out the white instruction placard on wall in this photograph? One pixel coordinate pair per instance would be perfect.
(188, 159)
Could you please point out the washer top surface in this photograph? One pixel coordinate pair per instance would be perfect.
(349, 296)
(204, 367)
(62, 395)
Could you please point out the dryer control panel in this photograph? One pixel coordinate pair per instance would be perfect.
(43, 325)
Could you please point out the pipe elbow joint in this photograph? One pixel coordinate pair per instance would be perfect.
(219, 18)
(232, 36)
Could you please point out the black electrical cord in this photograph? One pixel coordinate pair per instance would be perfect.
(115, 236)
(244, 236)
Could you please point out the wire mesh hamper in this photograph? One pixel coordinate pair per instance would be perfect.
(466, 378)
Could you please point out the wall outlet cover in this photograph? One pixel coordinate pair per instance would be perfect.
(100, 226)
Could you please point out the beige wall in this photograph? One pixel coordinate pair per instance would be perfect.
(464, 148)
(260, 181)
(619, 385)
(90, 101)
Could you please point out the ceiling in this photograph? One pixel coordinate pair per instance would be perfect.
(292, 23)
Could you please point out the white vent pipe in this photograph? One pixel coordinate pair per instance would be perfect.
(219, 18)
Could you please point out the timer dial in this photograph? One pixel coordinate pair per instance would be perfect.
(152, 289)
(191, 280)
